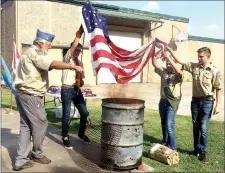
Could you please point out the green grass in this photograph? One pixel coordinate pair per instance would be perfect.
(152, 134)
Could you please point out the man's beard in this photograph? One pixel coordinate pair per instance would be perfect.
(41, 52)
(45, 52)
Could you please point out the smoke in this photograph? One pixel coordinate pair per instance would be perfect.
(123, 91)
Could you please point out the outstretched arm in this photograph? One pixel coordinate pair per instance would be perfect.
(154, 59)
(175, 67)
(171, 52)
(77, 38)
(61, 65)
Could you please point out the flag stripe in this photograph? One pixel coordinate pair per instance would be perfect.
(108, 55)
(100, 39)
(123, 64)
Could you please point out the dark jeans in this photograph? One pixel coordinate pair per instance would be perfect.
(69, 95)
(167, 115)
(201, 111)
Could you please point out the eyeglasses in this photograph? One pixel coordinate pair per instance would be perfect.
(200, 56)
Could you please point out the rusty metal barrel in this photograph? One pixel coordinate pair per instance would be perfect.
(122, 133)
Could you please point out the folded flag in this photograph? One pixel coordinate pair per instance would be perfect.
(124, 64)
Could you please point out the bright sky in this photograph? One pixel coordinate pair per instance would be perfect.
(206, 18)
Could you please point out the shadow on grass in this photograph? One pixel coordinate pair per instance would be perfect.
(189, 152)
(148, 140)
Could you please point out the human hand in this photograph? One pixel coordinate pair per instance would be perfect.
(166, 54)
(80, 32)
(81, 29)
(77, 68)
(216, 110)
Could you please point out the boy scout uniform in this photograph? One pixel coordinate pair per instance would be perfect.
(172, 83)
(206, 80)
(68, 87)
(31, 83)
(69, 76)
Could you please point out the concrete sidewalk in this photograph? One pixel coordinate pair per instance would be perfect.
(62, 160)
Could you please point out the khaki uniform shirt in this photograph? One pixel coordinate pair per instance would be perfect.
(32, 72)
(69, 76)
(173, 81)
(205, 79)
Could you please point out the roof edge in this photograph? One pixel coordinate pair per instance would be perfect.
(206, 39)
(123, 9)
(157, 15)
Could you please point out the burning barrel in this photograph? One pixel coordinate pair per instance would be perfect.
(122, 133)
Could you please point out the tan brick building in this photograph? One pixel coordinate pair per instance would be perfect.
(128, 28)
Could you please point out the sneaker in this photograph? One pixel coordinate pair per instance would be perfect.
(202, 157)
(26, 165)
(66, 143)
(43, 160)
(86, 140)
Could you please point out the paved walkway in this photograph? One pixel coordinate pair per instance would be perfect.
(151, 94)
(62, 160)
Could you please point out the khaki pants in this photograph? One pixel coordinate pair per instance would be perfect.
(33, 123)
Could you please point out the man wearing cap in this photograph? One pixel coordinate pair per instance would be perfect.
(32, 83)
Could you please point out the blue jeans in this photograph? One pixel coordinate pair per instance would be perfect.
(74, 95)
(201, 111)
(167, 115)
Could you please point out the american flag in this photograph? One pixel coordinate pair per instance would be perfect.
(124, 64)
(16, 58)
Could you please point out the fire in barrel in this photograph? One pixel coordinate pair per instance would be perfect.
(122, 133)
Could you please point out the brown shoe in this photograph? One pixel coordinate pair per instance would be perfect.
(43, 160)
(26, 165)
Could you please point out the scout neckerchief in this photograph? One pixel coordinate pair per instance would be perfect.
(79, 76)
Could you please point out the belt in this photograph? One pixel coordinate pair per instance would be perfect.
(67, 86)
(22, 92)
(203, 98)
(70, 86)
